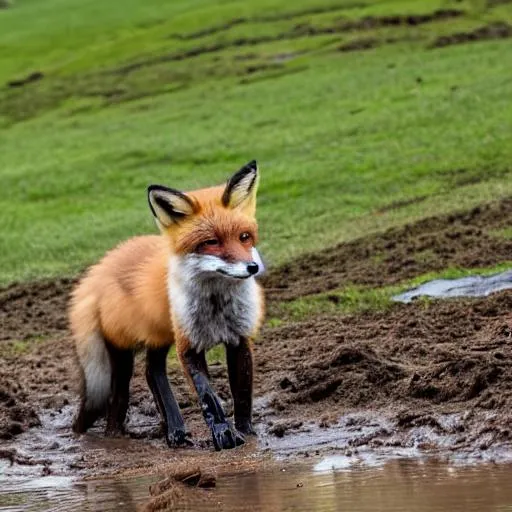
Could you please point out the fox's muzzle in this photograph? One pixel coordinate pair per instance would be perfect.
(201, 264)
(239, 270)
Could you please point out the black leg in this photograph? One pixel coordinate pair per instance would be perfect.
(156, 376)
(121, 362)
(224, 436)
(240, 380)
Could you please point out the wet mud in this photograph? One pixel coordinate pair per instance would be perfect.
(425, 377)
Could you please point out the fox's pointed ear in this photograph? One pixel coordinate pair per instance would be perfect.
(169, 205)
(241, 189)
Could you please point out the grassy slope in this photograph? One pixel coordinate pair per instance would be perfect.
(339, 136)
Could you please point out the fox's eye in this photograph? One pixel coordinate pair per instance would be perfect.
(212, 242)
(245, 237)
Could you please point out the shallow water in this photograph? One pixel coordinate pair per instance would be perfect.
(327, 484)
(471, 286)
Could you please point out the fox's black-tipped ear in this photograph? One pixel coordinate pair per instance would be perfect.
(241, 189)
(169, 205)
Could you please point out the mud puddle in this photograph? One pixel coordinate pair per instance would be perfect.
(320, 484)
(470, 286)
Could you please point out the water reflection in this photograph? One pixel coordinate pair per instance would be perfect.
(470, 286)
(398, 486)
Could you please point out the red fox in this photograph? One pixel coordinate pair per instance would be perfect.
(193, 286)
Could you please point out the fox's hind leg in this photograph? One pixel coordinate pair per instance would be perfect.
(121, 362)
(156, 375)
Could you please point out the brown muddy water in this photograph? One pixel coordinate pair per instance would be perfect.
(326, 484)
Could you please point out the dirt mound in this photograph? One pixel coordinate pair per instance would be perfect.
(436, 357)
(456, 240)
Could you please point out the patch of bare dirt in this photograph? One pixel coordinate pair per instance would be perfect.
(34, 309)
(455, 240)
(418, 362)
(441, 355)
(492, 31)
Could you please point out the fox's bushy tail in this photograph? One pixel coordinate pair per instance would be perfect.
(93, 357)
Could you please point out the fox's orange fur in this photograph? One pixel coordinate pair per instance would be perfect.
(125, 301)
(125, 295)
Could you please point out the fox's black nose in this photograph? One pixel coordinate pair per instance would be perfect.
(252, 268)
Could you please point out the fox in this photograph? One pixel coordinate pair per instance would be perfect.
(193, 286)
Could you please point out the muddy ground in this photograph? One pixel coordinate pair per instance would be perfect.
(425, 376)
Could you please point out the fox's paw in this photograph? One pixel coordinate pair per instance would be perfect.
(226, 437)
(177, 438)
(245, 427)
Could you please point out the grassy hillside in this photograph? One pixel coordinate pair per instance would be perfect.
(362, 115)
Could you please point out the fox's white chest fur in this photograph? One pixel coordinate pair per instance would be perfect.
(211, 309)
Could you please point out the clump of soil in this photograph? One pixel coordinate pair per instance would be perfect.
(455, 240)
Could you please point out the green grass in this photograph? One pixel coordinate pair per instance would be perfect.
(338, 136)
(19, 347)
(503, 233)
(348, 300)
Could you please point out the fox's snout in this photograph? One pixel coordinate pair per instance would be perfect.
(198, 265)
(241, 269)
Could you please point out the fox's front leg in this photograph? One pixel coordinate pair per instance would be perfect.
(223, 434)
(239, 361)
(156, 376)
